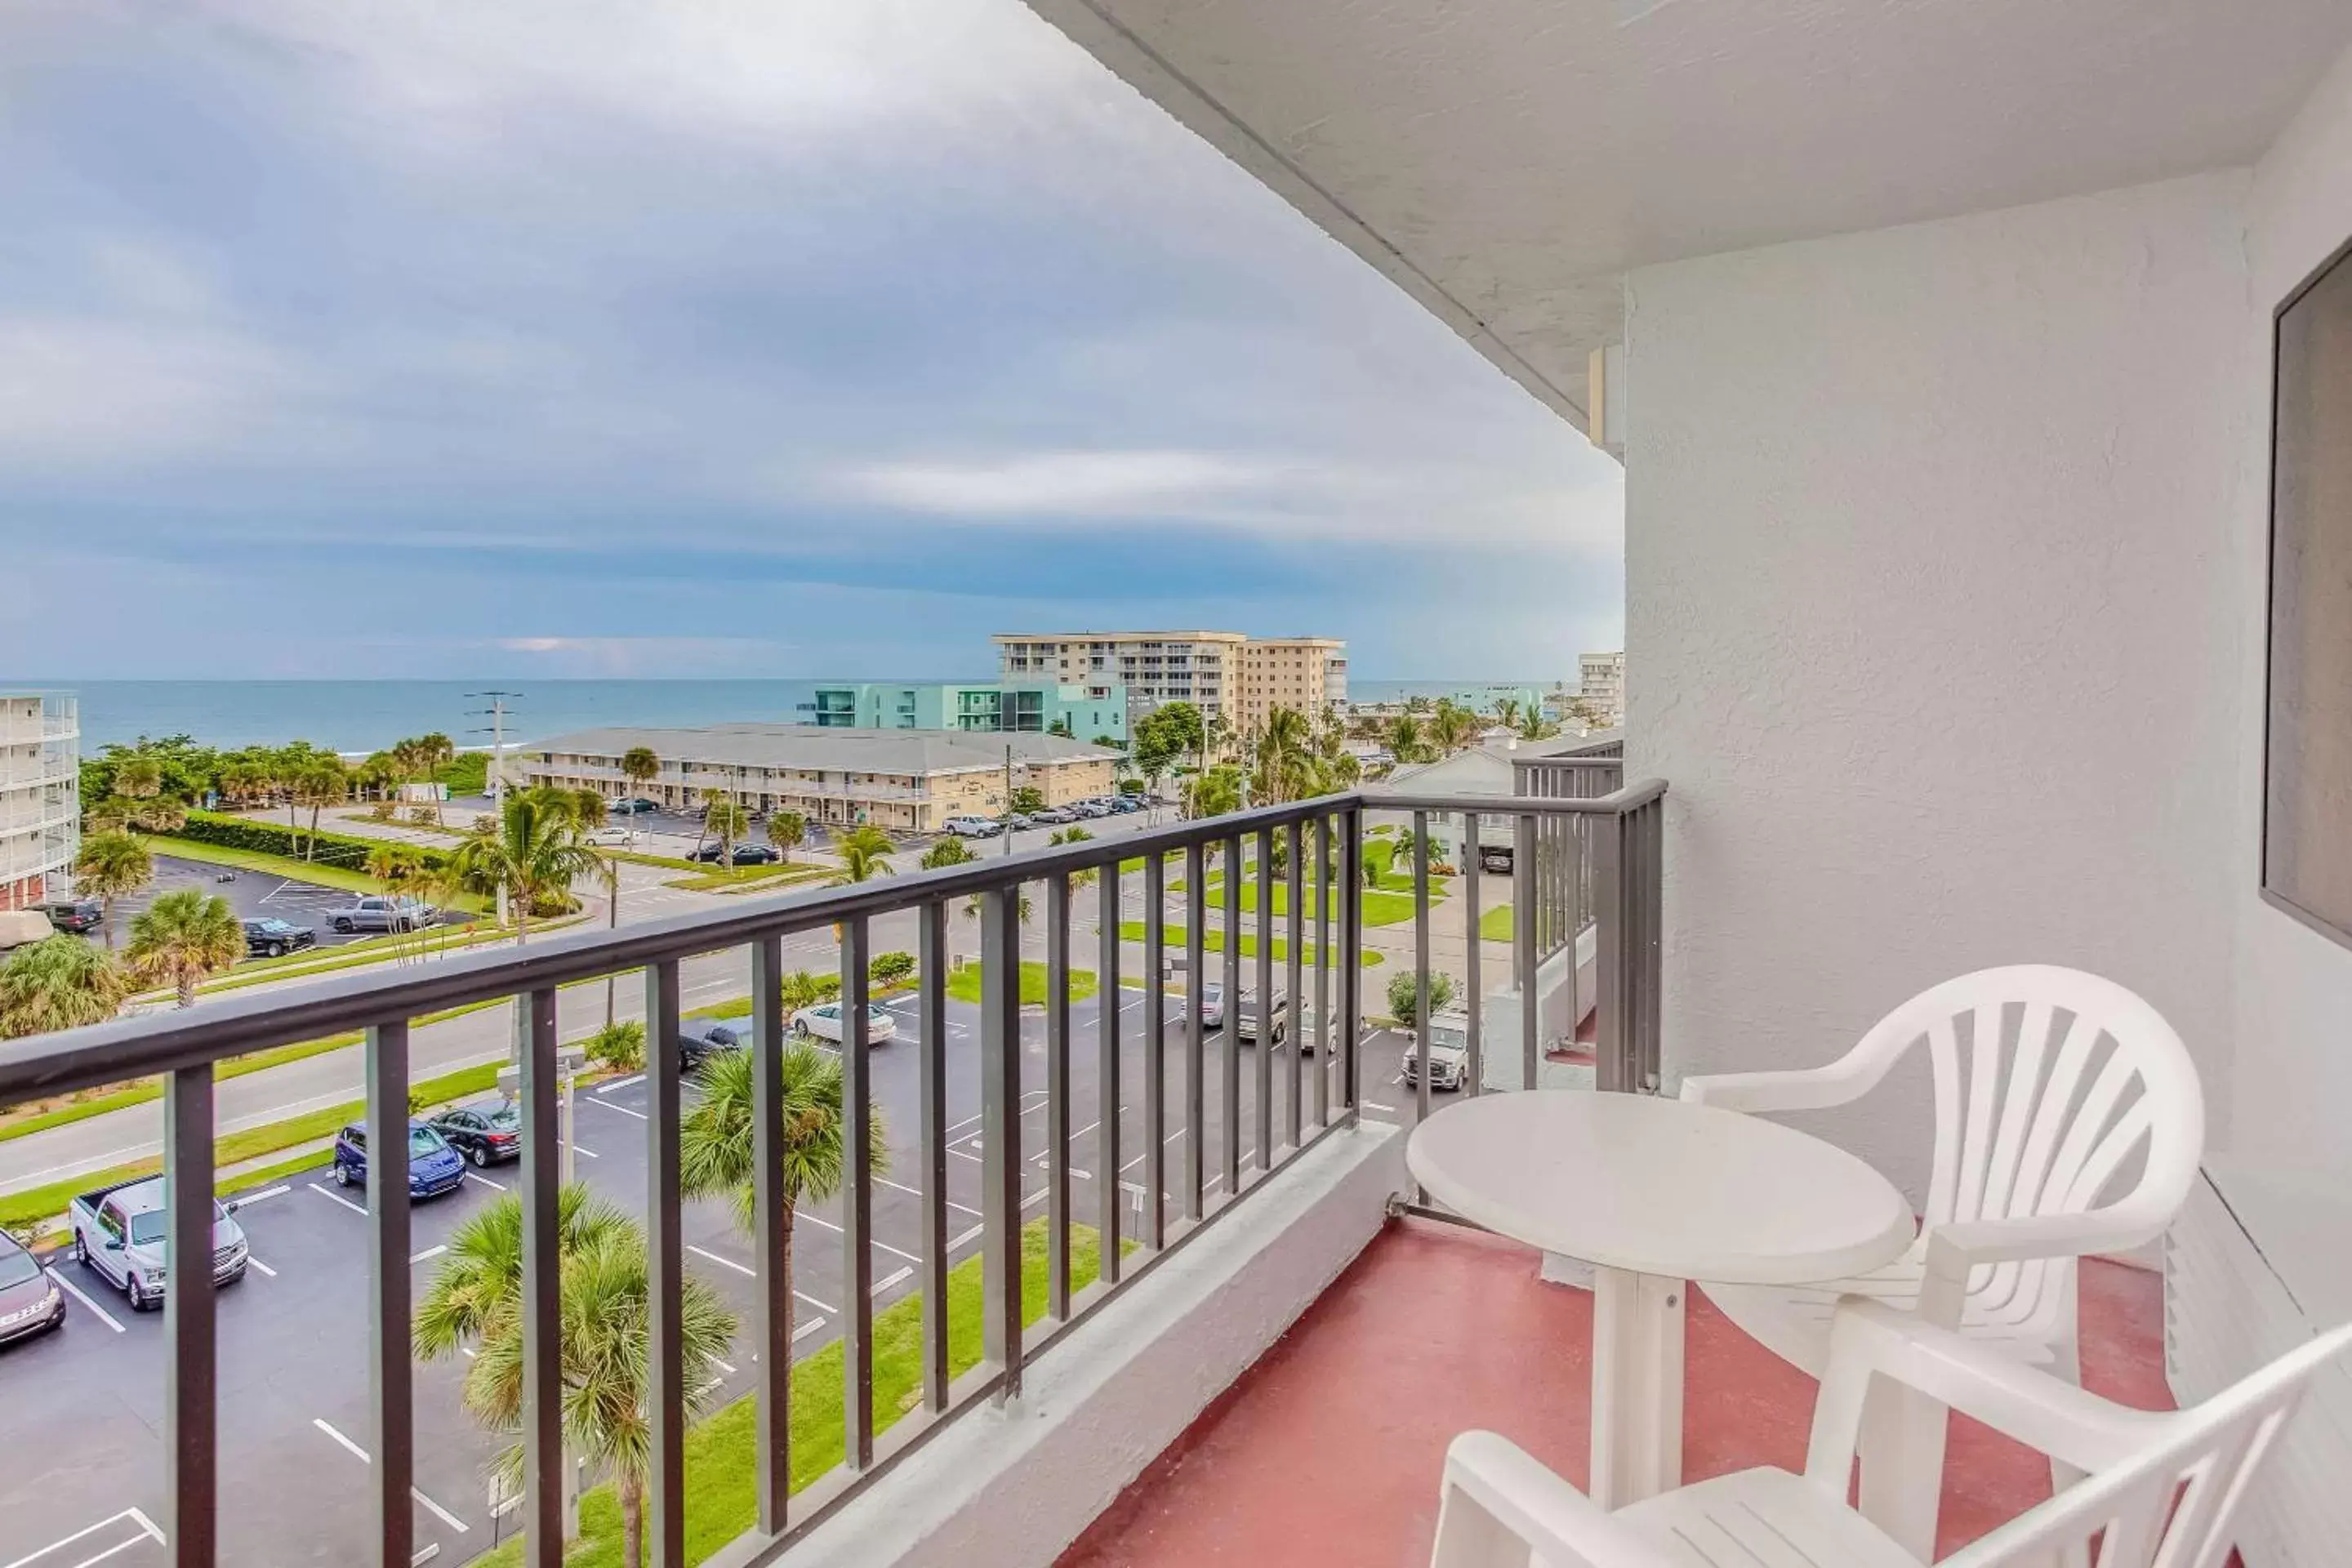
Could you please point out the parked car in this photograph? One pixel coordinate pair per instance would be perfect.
(373, 913)
(484, 1137)
(1057, 814)
(745, 854)
(434, 1167)
(30, 1301)
(972, 826)
(1123, 803)
(1212, 1006)
(1019, 820)
(697, 1040)
(1245, 1024)
(824, 1021)
(1494, 858)
(633, 808)
(1449, 1052)
(1092, 808)
(22, 928)
(275, 938)
(118, 1232)
(613, 832)
(76, 917)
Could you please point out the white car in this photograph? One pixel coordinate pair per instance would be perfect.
(613, 832)
(824, 1021)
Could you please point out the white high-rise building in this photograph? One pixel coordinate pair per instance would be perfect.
(1601, 682)
(1230, 673)
(40, 795)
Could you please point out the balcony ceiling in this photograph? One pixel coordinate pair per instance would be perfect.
(1504, 161)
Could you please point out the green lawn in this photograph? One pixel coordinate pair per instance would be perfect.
(963, 985)
(1214, 941)
(1381, 908)
(749, 878)
(1495, 925)
(721, 1480)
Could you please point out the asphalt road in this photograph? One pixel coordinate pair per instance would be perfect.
(81, 1410)
(253, 895)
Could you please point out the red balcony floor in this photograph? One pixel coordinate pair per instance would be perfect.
(1328, 1450)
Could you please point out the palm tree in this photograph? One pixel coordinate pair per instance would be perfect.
(140, 778)
(533, 856)
(183, 938)
(396, 866)
(865, 854)
(1286, 758)
(603, 1335)
(725, 821)
(1506, 712)
(58, 983)
(589, 809)
(322, 783)
(434, 752)
(787, 830)
(640, 767)
(1212, 793)
(1534, 726)
(1075, 835)
(1452, 726)
(714, 1139)
(1405, 739)
(948, 852)
(111, 866)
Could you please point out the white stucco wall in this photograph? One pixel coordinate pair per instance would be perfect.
(2292, 1084)
(1934, 620)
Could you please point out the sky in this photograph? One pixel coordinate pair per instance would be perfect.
(712, 339)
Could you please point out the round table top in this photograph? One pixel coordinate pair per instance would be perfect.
(1658, 1186)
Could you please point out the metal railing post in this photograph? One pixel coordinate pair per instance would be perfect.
(1421, 997)
(1058, 1096)
(1195, 1176)
(931, 1113)
(190, 1325)
(1108, 1196)
(770, 1238)
(543, 1263)
(1470, 850)
(1229, 1059)
(664, 1538)
(1000, 1121)
(858, 1197)
(390, 1435)
(1292, 1001)
(1614, 982)
(1262, 1087)
(1526, 956)
(1351, 963)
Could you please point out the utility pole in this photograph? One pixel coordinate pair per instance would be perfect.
(496, 714)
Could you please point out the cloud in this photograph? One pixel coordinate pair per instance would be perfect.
(1060, 484)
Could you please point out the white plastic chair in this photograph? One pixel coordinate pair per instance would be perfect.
(2162, 1488)
(2030, 1131)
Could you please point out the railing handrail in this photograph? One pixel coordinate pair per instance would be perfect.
(234, 1026)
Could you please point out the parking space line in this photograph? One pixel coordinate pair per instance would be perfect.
(812, 1326)
(102, 1314)
(723, 1262)
(916, 1191)
(146, 1526)
(887, 1280)
(250, 1199)
(608, 1105)
(494, 1186)
(267, 1271)
(435, 1509)
(619, 1083)
(333, 1198)
(968, 1236)
(586, 1153)
(436, 1250)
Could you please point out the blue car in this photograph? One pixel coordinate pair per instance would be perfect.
(434, 1167)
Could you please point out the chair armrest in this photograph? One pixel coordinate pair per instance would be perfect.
(1803, 1088)
(1517, 1495)
(1869, 1339)
(1955, 1248)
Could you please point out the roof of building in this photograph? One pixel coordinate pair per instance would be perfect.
(840, 750)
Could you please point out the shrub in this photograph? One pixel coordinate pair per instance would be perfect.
(1130, 786)
(270, 838)
(890, 968)
(620, 1047)
(422, 816)
(1404, 996)
(385, 810)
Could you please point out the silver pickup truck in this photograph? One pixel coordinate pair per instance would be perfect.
(119, 1231)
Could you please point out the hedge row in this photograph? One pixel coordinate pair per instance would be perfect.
(275, 838)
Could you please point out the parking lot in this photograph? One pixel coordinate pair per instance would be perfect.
(81, 1410)
(253, 895)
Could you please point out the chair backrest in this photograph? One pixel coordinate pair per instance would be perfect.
(2041, 1119)
(2172, 1504)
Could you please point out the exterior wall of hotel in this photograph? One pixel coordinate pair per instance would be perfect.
(979, 709)
(895, 801)
(1308, 674)
(1203, 667)
(1933, 536)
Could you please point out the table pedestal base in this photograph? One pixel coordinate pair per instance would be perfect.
(1637, 1386)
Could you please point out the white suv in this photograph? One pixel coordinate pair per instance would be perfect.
(972, 827)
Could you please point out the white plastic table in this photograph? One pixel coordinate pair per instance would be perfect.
(1656, 1193)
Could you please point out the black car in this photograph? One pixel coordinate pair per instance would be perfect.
(77, 916)
(30, 1301)
(745, 854)
(484, 1137)
(633, 808)
(698, 1041)
(276, 938)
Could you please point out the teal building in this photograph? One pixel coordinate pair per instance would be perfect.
(1084, 713)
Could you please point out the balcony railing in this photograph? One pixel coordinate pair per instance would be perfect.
(1216, 1122)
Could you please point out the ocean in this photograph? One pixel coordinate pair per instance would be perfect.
(361, 715)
